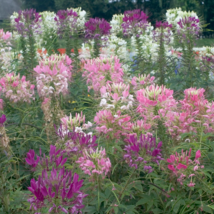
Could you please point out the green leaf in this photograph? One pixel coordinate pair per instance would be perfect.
(211, 206)
(207, 209)
(177, 206)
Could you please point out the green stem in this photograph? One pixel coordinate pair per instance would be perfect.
(127, 183)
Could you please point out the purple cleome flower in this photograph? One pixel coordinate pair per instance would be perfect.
(28, 21)
(76, 142)
(134, 22)
(189, 29)
(66, 20)
(142, 152)
(162, 32)
(160, 24)
(60, 191)
(55, 159)
(96, 28)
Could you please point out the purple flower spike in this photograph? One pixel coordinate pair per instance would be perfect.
(28, 21)
(96, 28)
(60, 186)
(134, 22)
(188, 29)
(66, 20)
(142, 152)
(2, 119)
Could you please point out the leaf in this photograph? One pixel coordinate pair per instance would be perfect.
(156, 211)
(90, 209)
(207, 209)
(144, 200)
(211, 206)
(177, 206)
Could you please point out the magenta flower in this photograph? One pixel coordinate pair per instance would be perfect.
(2, 120)
(75, 142)
(96, 28)
(198, 154)
(162, 32)
(134, 22)
(160, 24)
(28, 22)
(57, 191)
(30, 159)
(143, 152)
(55, 159)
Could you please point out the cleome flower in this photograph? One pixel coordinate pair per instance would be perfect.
(59, 191)
(16, 89)
(143, 152)
(53, 75)
(95, 162)
(183, 168)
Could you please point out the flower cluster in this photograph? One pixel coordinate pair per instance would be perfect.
(115, 23)
(134, 22)
(5, 36)
(59, 191)
(66, 21)
(143, 152)
(183, 168)
(53, 75)
(188, 29)
(142, 81)
(163, 32)
(148, 48)
(70, 123)
(195, 115)
(96, 28)
(16, 89)
(74, 142)
(113, 125)
(116, 96)
(100, 71)
(116, 47)
(81, 19)
(95, 162)
(55, 159)
(153, 99)
(28, 22)
(173, 16)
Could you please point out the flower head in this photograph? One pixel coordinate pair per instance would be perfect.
(143, 152)
(96, 28)
(95, 162)
(59, 186)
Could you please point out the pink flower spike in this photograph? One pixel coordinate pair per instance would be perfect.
(198, 154)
